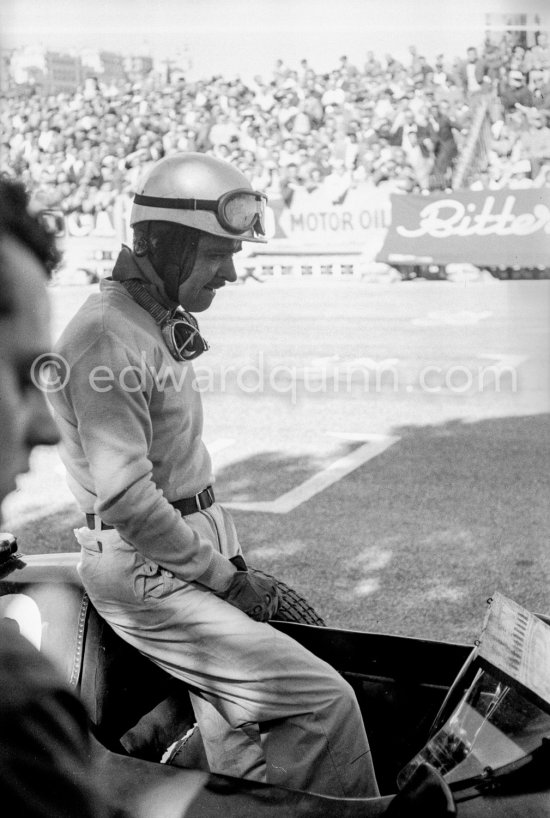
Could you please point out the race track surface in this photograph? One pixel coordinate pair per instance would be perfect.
(384, 447)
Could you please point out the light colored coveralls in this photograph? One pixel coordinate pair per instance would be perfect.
(131, 425)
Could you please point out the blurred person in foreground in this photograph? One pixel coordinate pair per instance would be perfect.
(45, 762)
(160, 558)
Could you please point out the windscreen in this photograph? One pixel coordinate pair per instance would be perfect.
(492, 726)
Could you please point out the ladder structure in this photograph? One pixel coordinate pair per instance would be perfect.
(474, 155)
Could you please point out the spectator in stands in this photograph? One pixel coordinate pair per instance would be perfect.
(540, 91)
(441, 75)
(414, 63)
(515, 94)
(223, 130)
(474, 73)
(518, 60)
(393, 66)
(535, 143)
(337, 183)
(493, 58)
(346, 69)
(543, 178)
(504, 143)
(373, 67)
(289, 153)
(384, 107)
(404, 125)
(539, 55)
(291, 181)
(445, 149)
(313, 180)
(519, 176)
(72, 149)
(311, 103)
(302, 120)
(420, 158)
(424, 71)
(334, 94)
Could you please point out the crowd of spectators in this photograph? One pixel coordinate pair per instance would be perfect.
(398, 126)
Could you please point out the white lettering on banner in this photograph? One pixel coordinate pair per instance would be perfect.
(449, 217)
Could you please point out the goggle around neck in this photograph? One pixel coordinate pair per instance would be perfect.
(180, 330)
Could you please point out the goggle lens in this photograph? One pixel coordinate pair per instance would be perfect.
(242, 211)
(183, 338)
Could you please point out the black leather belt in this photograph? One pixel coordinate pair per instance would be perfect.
(188, 505)
(90, 522)
(197, 503)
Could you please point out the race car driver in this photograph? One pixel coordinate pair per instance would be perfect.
(160, 558)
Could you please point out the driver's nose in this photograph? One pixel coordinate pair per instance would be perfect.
(228, 270)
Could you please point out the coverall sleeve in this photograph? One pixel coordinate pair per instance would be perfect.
(114, 427)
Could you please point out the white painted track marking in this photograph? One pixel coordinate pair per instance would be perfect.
(338, 469)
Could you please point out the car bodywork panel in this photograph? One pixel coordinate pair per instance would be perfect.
(400, 683)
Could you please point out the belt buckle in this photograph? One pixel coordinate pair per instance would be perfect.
(200, 496)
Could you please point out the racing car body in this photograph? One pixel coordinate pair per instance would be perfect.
(427, 707)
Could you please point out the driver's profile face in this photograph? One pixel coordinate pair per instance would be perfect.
(25, 420)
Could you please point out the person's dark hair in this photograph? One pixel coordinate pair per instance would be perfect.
(18, 221)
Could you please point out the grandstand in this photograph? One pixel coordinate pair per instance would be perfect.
(320, 145)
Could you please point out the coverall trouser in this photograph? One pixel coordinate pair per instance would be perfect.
(267, 708)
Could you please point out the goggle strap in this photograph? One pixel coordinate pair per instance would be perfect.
(176, 204)
(143, 297)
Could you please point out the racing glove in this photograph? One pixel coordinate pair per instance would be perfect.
(257, 596)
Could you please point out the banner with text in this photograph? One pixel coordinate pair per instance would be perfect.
(91, 241)
(497, 228)
(327, 220)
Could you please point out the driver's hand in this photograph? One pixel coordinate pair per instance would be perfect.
(257, 596)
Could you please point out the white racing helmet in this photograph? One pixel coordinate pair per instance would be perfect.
(202, 192)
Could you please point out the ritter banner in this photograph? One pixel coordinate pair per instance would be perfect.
(490, 228)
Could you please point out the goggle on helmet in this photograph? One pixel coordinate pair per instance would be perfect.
(237, 211)
(203, 192)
